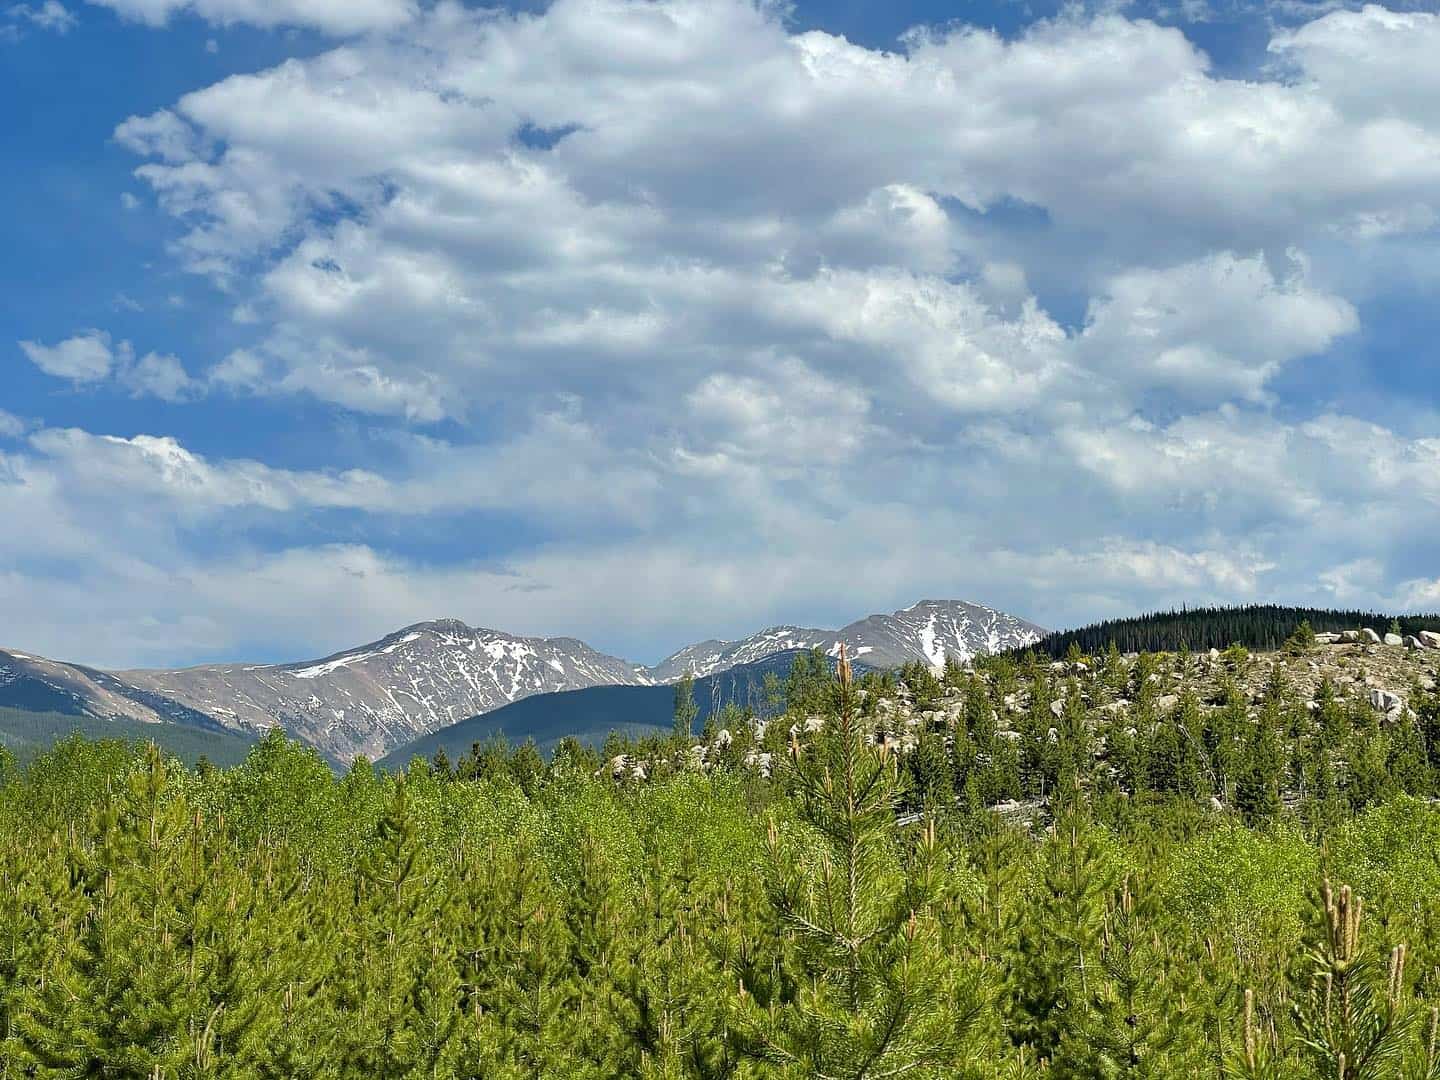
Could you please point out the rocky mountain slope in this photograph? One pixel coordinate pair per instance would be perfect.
(590, 715)
(376, 697)
(367, 700)
(931, 631)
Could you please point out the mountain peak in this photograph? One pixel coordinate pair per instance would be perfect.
(931, 631)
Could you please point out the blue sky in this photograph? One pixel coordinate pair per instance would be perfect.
(652, 320)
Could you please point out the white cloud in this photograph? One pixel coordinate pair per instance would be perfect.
(11, 426)
(785, 414)
(1219, 328)
(331, 16)
(1373, 64)
(86, 357)
(107, 468)
(345, 377)
(91, 357)
(161, 376)
(1000, 317)
(129, 201)
(49, 15)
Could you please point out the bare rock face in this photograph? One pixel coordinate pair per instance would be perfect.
(1385, 701)
(1429, 638)
(1394, 639)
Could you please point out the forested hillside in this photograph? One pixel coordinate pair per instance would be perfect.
(589, 716)
(28, 733)
(1260, 626)
(1113, 866)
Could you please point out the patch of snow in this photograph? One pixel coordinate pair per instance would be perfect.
(933, 650)
(316, 670)
(403, 641)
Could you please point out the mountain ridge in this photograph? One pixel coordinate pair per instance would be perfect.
(372, 698)
(931, 631)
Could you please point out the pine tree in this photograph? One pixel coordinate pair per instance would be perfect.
(1047, 995)
(685, 709)
(1137, 1021)
(1353, 1023)
(872, 998)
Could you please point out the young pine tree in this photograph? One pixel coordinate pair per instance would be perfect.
(872, 996)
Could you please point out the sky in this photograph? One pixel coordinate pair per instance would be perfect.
(646, 321)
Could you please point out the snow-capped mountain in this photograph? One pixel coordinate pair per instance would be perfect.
(371, 699)
(367, 700)
(931, 631)
(708, 657)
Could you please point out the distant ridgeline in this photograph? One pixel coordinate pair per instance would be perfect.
(1259, 626)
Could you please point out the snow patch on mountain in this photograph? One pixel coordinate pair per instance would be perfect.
(932, 631)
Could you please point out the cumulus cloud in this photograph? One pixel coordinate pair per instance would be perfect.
(159, 375)
(1008, 317)
(343, 17)
(91, 357)
(86, 357)
(1218, 328)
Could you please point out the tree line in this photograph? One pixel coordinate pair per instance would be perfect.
(1256, 626)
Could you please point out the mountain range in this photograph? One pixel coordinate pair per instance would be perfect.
(590, 715)
(378, 697)
(931, 632)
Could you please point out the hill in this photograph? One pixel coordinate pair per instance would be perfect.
(28, 733)
(1262, 627)
(592, 714)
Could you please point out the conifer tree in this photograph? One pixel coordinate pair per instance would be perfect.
(872, 998)
(1050, 984)
(685, 709)
(1352, 1021)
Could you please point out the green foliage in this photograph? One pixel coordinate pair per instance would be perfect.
(685, 708)
(859, 925)
(862, 913)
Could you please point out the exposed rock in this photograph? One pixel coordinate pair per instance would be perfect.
(1166, 702)
(1385, 701)
(1057, 709)
(1394, 639)
(1429, 638)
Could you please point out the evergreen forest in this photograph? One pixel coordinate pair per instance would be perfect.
(1155, 885)
(1256, 626)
